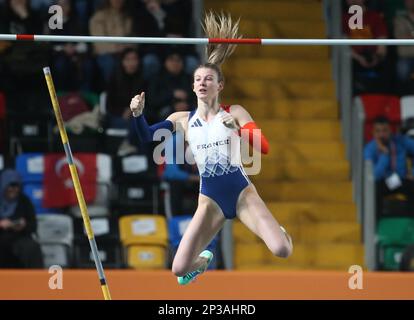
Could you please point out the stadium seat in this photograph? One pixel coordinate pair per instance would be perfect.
(106, 233)
(30, 133)
(55, 254)
(55, 236)
(55, 228)
(143, 229)
(140, 195)
(407, 107)
(146, 257)
(176, 228)
(93, 211)
(103, 228)
(30, 166)
(135, 183)
(131, 168)
(109, 251)
(35, 193)
(100, 207)
(393, 236)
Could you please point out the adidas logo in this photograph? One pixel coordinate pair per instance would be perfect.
(197, 124)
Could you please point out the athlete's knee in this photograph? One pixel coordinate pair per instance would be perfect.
(281, 249)
(179, 268)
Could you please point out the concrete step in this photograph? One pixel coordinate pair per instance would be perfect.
(278, 69)
(307, 233)
(294, 109)
(312, 212)
(301, 130)
(292, 89)
(305, 191)
(306, 151)
(273, 170)
(338, 255)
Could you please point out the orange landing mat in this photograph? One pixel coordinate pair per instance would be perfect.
(218, 285)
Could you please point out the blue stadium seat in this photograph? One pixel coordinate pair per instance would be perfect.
(35, 193)
(176, 228)
(31, 167)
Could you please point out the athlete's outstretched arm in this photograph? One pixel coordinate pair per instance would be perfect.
(144, 130)
(246, 123)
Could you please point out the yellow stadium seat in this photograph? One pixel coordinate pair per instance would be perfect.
(147, 257)
(143, 229)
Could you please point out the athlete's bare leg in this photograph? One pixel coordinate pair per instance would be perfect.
(252, 211)
(206, 223)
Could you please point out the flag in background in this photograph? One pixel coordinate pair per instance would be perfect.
(57, 184)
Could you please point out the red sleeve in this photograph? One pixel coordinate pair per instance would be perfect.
(255, 132)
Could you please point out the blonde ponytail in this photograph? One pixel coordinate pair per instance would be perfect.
(220, 26)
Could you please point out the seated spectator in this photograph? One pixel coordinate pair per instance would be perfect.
(149, 21)
(404, 29)
(181, 174)
(389, 155)
(23, 62)
(18, 249)
(172, 82)
(125, 82)
(72, 66)
(370, 68)
(178, 24)
(188, 52)
(112, 20)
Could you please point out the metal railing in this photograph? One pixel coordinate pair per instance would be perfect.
(352, 119)
(369, 217)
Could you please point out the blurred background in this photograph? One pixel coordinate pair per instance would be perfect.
(339, 121)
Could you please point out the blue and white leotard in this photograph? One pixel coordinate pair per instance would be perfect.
(216, 150)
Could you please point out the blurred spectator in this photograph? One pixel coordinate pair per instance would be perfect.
(389, 156)
(172, 82)
(404, 29)
(149, 22)
(179, 15)
(17, 225)
(19, 18)
(161, 18)
(177, 29)
(72, 66)
(23, 61)
(182, 175)
(370, 68)
(112, 20)
(126, 82)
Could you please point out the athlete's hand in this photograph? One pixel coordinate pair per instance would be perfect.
(229, 121)
(137, 104)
